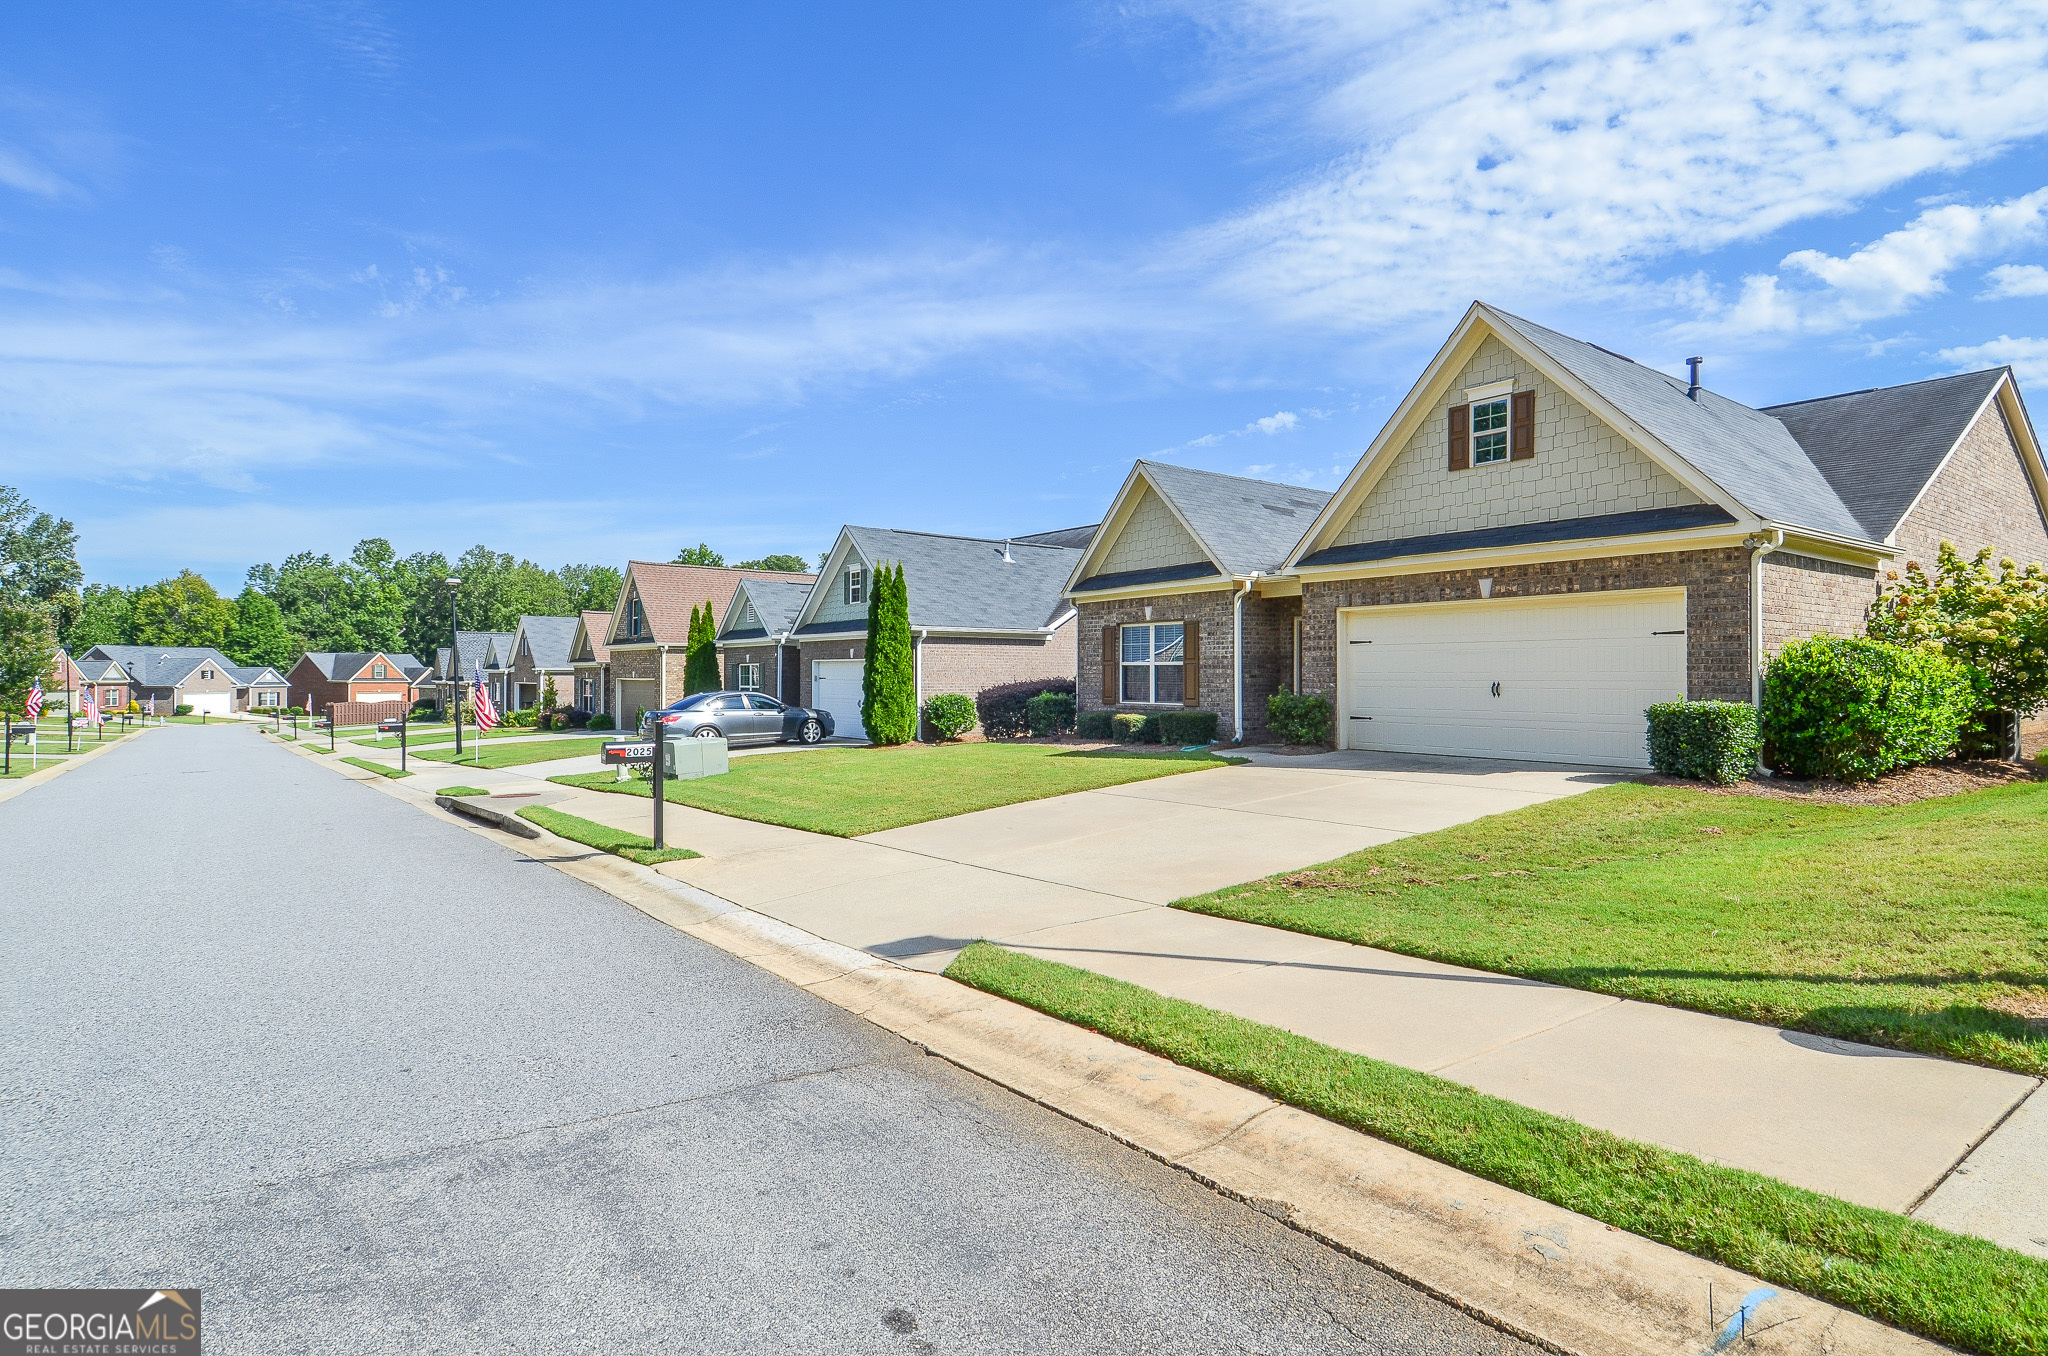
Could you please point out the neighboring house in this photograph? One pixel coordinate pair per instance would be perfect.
(259, 688)
(1183, 578)
(983, 612)
(323, 678)
(473, 650)
(172, 676)
(540, 649)
(1546, 538)
(754, 649)
(105, 680)
(648, 632)
(590, 663)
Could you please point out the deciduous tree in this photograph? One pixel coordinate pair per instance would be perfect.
(780, 561)
(27, 645)
(700, 554)
(259, 635)
(182, 610)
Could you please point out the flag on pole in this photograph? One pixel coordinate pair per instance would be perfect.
(486, 714)
(88, 709)
(33, 708)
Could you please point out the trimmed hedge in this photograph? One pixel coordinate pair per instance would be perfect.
(1856, 709)
(1187, 727)
(1706, 741)
(1002, 707)
(598, 721)
(1095, 725)
(1128, 727)
(1298, 719)
(950, 714)
(181, 709)
(1049, 714)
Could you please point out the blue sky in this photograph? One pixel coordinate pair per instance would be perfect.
(591, 286)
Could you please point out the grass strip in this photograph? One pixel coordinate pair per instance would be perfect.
(588, 832)
(381, 769)
(462, 791)
(848, 792)
(513, 755)
(1922, 927)
(1963, 1291)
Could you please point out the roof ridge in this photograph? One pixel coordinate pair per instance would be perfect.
(1225, 475)
(961, 536)
(1895, 386)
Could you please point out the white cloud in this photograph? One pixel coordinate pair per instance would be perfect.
(1274, 423)
(2015, 280)
(2028, 358)
(1890, 274)
(1511, 149)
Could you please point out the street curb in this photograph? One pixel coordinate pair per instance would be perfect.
(497, 819)
(1550, 1276)
(14, 788)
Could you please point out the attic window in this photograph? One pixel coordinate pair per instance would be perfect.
(1489, 431)
(378, 671)
(633, 617)
(855, 584)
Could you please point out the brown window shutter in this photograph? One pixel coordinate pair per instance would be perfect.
(1191, 665)
(1461, 437)
(1522, 427)
(1110, 660)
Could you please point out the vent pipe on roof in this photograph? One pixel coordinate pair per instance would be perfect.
(1007, 560)
(1693, 392)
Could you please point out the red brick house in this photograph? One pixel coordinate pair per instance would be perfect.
(647, 635)
(323, 678)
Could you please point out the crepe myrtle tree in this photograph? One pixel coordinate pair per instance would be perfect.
(888, 680)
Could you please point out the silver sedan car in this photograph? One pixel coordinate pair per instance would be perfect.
(742, 717)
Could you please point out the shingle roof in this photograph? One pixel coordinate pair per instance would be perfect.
(1747, 452)
(475, 648)
(159, 666)
(99, 670)
(1250, 525)
(668, 592)
(548, 638)
(341, 665)
(594, 626)
(1880, 447)
(964, 583)
(776, 603)
(257, 674)
(1061, 536)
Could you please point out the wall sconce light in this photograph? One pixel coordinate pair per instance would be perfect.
(1148, 612)
(1486, 588)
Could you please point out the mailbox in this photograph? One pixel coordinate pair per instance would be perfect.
(687, 759)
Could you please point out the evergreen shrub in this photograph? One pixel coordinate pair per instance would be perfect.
(1705, 741)
(1187, 727)
(1095, 725)
(1856, 709)
(1297, 719)
(950, 714)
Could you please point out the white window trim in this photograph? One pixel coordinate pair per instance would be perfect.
(856, 585)
(739, 676)
(1506, 431)
(1493, 390)
(1154, 666)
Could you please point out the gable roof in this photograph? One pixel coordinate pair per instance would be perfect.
(1243, 526)
(473, 648)
(1915, 426)
(589, 638)
(256, 675)
(959, 583)
(159, 666)
(548, 638)
(776, 605)
(338, 666)
(667, 594)
(91, 670)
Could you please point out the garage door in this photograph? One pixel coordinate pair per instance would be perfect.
(635, 695)
(835, 687)
(1546, 679)
(212, 703)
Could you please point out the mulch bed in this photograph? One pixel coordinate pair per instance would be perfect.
(1894, 788)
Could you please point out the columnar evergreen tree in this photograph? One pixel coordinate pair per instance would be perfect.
(888, 680)
(700, 661)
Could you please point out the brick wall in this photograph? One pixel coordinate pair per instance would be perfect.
(853, 646)
(1806, 596)
(792, 663)
(1269, 651)
(1717, 607)
(645, 664)
(968, 664)
(1981, 498)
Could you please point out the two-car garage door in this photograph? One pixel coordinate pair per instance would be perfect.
(1560, 679)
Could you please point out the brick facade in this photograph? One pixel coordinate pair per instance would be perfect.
(764, 655)
(1716, 604)
(1983, 497)
(963, 664)
(1268, 640)
(853, 645)
(656, 678)
(1806, 596)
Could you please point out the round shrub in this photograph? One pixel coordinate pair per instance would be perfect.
(598, 721)
(181, 709)
(950, 714)
(1706, 741)
(1095, 724)
(1298, 719)
(1856, 709)
(1049, 714)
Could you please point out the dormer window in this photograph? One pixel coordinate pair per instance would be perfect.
(855, 584)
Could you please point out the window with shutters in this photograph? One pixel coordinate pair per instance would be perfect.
(1489, 431)
(856, 584)
(1153, 658)
(377, 671)
(633, 617)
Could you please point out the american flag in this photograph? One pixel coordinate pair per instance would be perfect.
(33, 707)
(486, 714)
(90, 711)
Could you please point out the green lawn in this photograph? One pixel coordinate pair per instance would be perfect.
(602, 837)
(462, 791)
(381, 769)
(422, 735)
(1962, 1291)
(848, 792)
(512, 755)
(1921, 926)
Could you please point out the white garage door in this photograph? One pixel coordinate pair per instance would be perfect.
(635, 695)
(1546, 679)
(212, 703)
(835, 687)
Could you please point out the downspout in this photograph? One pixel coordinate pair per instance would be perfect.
(917, 651)
(1237, 660)
(1759, 547)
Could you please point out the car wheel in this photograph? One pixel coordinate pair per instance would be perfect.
(707, 732)
(813, 732)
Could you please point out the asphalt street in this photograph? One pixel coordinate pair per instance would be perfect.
(373, 1082)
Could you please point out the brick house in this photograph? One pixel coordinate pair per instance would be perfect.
(648, 632)
(590, 666)
(1183, 578)
(539, 651)
(324, 678)
(456, 670)
(754, 649)
(983, 612)
(1546, 537)
(166, 677)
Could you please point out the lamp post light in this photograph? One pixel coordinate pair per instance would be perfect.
(455, 663)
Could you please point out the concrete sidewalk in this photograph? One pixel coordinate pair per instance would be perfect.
(1082, 879)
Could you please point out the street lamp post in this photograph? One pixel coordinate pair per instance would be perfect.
(455, 664)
